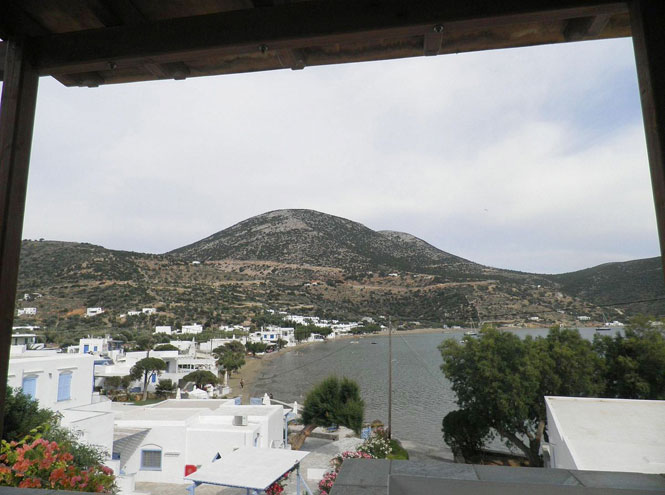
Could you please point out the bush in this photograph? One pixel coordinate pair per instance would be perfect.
(38, 463)
(377, 445)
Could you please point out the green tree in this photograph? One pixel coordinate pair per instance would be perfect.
(500, 381)
(255, 347)
(23, 414)
(201, 378)
(334, 401)
(465, 433)
(281, 343)
(165, 388)
(634, 362)
(145, 368)
(230, 356)
(166, 347)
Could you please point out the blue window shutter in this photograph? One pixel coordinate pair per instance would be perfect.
(65, 386)
(86, 348)
(29, 386)
(154, 377)
(95, 349)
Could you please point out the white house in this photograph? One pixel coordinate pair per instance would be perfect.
(101, 346)
(93, 311)
(192, 329)
(163, 329)
(213, 344)
(584, 318)
(271, 334)
(177, 366)
(133, 313)
(63, 383)
(24, 339)
(149, 311)
(606, 434)
(27, 311)
(157, 442)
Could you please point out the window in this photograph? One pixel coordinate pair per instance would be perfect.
(151, 460)
(86, 348)
(64, 386)
(29, 386)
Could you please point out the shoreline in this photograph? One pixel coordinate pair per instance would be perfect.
(254, 365)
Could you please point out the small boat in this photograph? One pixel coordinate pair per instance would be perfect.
(471, 333)
(373, 342)
(603, 329)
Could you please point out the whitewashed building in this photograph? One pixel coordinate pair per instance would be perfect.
(149, 311)
(606, 434)
(213, 344)
(27, 311)
(64, 383)
(101, 346)
(155, 443)
(163, 329)
(194, 328)
(93, 311)
(177, 366)
(271, 334)
(24, 339)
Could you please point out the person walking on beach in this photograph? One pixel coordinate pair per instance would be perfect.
(242, 383)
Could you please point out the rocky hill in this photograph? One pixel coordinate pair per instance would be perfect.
(310, 262)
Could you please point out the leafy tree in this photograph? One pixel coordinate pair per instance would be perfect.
(145, 343)
(165, 388)
(634, 362)
(23, 414)
(144, 368)
(302, 332)
(465, 433)
(230, 356)
(200, 378)
(334, 401)
(281, 343)
(500, 381)
(166, 347)
(255, 347)
(112, 382)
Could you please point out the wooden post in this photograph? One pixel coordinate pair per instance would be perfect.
(17, 114)
(647, 18)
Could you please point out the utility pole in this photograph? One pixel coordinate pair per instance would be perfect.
(390, 377)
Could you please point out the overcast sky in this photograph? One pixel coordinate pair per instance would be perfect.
(530, 159)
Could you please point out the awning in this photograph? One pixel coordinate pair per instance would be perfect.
(249, 467)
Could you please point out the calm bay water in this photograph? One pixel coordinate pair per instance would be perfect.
(421, 394)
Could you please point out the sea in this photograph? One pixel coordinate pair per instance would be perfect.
(422, 396)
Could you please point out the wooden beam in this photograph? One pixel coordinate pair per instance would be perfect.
(647, 18)
(17, 113)
(292, 26)
(581, 27)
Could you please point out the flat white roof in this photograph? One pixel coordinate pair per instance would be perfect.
(612, 434)
(192, 403)
(249, 467)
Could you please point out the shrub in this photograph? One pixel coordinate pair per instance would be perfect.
(377, 445)
(38, 463)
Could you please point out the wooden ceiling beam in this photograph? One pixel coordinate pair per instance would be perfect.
(292, 26)
(582, 27)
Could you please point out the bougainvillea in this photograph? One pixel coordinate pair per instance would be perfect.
(377, 445)
(278, 486)
(38, 463)
(326, 484)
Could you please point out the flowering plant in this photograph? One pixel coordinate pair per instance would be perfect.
(278, 486)
(337, 461)
(378, 444)
(38, 463)
(326, 484)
